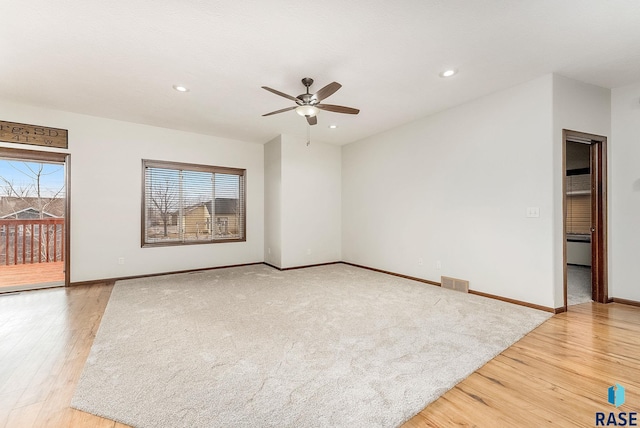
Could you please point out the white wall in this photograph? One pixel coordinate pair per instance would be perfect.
(311, 202)
(454, 188)
(106, 190)
(624, 208)
(273, 202)
(579, 107)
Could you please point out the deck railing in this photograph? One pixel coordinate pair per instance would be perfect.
(31, 241)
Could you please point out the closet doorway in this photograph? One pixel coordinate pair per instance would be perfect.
(585, 216)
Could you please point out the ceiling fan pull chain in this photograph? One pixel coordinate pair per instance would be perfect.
(308, 134)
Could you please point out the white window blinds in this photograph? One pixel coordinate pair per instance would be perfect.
(188, 204)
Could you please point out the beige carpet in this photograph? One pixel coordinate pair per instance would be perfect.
(331, 346)
(578, 284)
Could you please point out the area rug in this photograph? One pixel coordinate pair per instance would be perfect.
(330, 346)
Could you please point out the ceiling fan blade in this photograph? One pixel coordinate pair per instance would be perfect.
(282, 110)
(312, 120)
(282, 94)
(327, 91)
(338, 109)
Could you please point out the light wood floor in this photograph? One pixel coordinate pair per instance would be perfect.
(36, 273)
(45, 338)
(557, 375)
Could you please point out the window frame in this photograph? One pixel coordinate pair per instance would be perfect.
(182, 166)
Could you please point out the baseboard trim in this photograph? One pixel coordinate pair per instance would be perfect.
(413, 278)
(270, 265)
(517, 302)
(151, 275)
(478, 293)
(560, 310)
(301, 267)
(626, 302)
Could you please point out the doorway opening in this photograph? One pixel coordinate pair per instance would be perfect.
(584, 218)
(34, 223)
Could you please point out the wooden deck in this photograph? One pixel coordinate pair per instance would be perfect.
(31, 274)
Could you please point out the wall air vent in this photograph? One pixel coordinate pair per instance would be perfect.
(454, 284)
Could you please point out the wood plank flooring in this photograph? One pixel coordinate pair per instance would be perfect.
(45, 338)
(557, 375)
(28, 274)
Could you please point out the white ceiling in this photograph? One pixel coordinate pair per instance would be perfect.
(119, 59)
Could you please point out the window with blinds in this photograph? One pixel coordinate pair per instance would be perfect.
(579, 204)
(192, 204)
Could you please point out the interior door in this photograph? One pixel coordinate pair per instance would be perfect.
(598, 196)
(598, 218)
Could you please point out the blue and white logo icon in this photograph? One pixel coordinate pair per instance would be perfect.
(616, 395)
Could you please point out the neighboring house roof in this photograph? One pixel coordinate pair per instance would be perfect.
(193, 208)
(13, 207)
(224, 206)
(28, 213)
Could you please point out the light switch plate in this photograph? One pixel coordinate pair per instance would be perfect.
(533, 212)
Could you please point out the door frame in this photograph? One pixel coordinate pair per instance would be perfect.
(599, 250)
(64, 158)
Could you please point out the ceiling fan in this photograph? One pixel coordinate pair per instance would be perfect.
(308, 105)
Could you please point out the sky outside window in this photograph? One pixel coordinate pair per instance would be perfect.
(22, 177)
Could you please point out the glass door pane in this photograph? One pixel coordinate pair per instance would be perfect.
(32, 224)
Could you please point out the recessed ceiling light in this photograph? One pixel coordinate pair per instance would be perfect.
(448, 73)
(180, 88)
(333, 126)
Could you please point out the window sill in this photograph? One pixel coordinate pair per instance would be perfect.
(186, 243)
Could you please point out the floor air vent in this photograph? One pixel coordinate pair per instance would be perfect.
(454, 284)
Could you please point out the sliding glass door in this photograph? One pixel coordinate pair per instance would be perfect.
(33, 226)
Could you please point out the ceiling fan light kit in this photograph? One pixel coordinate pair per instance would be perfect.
(307, 110)
(308, 105)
